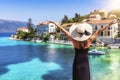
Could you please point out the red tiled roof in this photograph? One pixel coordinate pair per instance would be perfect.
(39, 24)
(67, 24)
(22, 28)
(89, 22)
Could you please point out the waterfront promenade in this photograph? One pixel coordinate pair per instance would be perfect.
(52, 41)
(61, 42)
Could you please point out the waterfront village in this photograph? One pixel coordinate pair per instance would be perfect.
(48, 32)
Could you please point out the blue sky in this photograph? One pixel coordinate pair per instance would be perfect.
(42, 10)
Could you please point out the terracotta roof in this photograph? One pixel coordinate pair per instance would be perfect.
(100, 21)
(67, 24)
(45, 23)
(89, 22)
(42, 23)
(70, 24)
(22, 28)
(39, 24)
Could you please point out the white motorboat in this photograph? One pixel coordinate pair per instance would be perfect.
(96, 52)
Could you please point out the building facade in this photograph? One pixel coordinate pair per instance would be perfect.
(108, 35)
(43, 29)
(94, 17)
(24, 29)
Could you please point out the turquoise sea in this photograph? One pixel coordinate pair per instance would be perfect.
(20, 60)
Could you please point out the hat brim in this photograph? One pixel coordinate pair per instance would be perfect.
(76, 36)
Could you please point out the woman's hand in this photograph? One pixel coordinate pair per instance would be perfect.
(113, 22)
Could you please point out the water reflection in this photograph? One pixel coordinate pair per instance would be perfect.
(106, 67)
(96, 56)
(115, 65)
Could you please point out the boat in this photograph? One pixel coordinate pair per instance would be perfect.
(95, 52)
(114, 46)
(38, 40)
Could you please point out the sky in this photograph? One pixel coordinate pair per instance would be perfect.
(43, 10)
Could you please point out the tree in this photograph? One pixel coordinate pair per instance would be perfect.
(22, 35)
(46, 38)
(83, 17)
(26, 35)
(70, 21)
(65, 19)
(30, 28)
(115, 12)
(57, 29)
(119, 34)
(76, 18)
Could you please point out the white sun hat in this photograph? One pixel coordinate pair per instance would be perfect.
(81, 32)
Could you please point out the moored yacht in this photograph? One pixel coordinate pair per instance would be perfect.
(96, 52)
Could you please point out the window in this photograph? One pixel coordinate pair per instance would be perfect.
(108, 33)
(102, 26)
(95, 27)
(101, 33)
(51, 25)
(108, 28)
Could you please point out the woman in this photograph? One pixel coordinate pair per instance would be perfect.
(81, 44)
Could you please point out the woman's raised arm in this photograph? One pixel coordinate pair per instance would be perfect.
(63, 30)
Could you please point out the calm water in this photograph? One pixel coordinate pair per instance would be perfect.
(21, 60)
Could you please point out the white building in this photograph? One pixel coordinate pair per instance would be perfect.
(24, 29)
(108, 35)
(99, 11)
(44, 29)
(103, 11)
(94, 17)
(51, 28)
